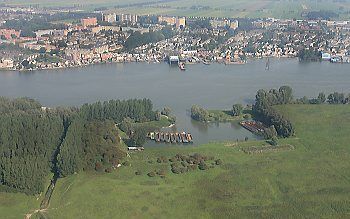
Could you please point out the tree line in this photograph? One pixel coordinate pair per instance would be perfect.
(140, 110)
(137, 39)
(332, 98)
(28, 139)
(264, 111)
(35, 140)
(90, 145)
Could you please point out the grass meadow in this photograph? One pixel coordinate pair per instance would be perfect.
(206, 8)
(312, 181)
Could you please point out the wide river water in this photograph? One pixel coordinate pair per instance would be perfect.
(214, 87)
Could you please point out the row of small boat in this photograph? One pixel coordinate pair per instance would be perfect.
(173, 138)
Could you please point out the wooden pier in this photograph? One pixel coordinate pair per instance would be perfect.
(173, 138)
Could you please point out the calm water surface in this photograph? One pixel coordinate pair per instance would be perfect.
(213, 87)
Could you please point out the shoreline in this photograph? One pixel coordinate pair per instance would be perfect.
(147, 62)
(128, 62)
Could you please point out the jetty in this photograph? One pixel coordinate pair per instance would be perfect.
(171, 138)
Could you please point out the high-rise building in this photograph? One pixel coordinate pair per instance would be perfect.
(234, 24)
(181, 22)
(128, 18)
(178, 22)
(111, 18)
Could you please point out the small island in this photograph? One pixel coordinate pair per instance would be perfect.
(238, 112)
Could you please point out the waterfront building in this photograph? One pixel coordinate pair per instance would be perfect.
(6, 63)
(173, 60)
(326, 56)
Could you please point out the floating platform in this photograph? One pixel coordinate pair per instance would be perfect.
(173, 138)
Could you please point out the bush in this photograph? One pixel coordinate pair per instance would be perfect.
(202, 166)
(183, 170)
(237, 109)
(175, 170)
(218, 162)
(108, 170)
(126, 163)
(151, 174)
(173, 159)
(138, 173)
(98, 167)
(162, 172)
(162, 159)
(247, 116)
(191, 167)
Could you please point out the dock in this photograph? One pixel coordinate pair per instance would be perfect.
(171, 138)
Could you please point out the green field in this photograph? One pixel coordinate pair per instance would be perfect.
(207, 8)
(312, 181)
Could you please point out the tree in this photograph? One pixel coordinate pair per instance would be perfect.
(266, 113)
(139, 136)
(199, 114)
(158, 115)
(42, 50)
(166, 111)
(270, 132)
(126, 125)
(321, 98)
(274, 141)
(237, 109)
(336, 98)
(286, 95)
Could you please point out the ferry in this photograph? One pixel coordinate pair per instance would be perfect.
(182, 66)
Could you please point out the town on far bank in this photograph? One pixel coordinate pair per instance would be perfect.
(33, 38)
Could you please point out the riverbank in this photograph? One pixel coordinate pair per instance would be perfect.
(206, 63)
(241, 178)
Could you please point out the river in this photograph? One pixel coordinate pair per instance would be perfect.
(214, 86)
